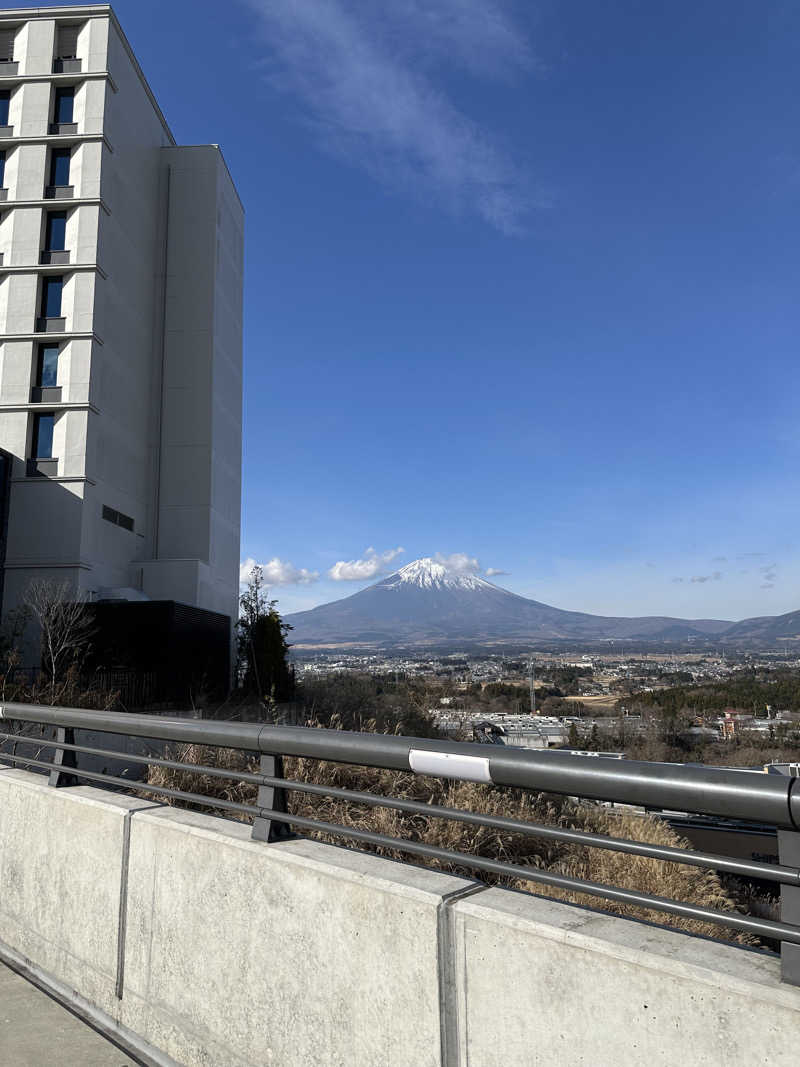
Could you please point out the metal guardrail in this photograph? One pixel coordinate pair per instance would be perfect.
(743, 795)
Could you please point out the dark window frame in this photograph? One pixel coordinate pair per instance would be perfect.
(42, 365)
(60, 155)
(60, 231)
(63, 115)
(49, 284)
(46, 418)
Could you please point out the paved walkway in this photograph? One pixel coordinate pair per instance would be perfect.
(35, 1031)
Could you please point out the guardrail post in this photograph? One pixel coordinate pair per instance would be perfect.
(63, 759)
(273, 797)
(789, 856)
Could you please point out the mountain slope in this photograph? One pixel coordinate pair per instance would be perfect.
(766, 629)
(426, 601)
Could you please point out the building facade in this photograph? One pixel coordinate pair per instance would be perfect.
(120, 327)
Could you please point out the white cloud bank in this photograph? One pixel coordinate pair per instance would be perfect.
(359, 570)
(277, 572)
(369, 76)
(459, 562)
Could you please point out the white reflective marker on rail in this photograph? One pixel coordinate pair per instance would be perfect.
(450, 765)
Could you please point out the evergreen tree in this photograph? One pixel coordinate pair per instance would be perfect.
(264, 667)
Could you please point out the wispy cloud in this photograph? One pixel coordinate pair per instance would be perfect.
(478, 35)
(370, 78)
(715, 577)
(277, 572)
(769, 575)
(494, 572)
(370, 566)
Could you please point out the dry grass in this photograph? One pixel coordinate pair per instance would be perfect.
(604, 704)
(694, 885)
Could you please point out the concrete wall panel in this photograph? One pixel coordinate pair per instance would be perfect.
(16, 359)
(290, 954)
(34, 46)
(60, 867)
(30, 168)
(543, 983)
(34, 101)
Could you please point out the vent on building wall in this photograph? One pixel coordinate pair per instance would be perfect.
(111, 515)
(6, 46)
(7, 64)
(66, 58)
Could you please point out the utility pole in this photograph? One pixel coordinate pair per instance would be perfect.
(533, 691)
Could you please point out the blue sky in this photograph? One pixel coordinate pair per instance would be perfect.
(522, 286)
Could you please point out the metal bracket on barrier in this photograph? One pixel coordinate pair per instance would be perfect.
(789, 856)
(270, 796)
(63, 759)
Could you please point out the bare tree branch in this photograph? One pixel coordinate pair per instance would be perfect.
(65, 624)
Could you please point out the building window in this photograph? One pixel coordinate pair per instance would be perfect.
(67, 44)
(51, 297)
(55, 231)
(59, 166)
(47, 367)
(43, 435)
(7, 46)
(2, 169)
(65, 99)
(112, 515)
(5, 102)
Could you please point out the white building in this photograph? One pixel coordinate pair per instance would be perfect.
(120, 326)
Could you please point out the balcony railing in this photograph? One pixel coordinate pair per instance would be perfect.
(50, 325)
(59, 192)
(736, 794)
(46, 394)
(41, 468)
(54, 255)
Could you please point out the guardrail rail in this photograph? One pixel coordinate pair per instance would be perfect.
(736, 794)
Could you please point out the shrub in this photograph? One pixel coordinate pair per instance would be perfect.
(694, 885)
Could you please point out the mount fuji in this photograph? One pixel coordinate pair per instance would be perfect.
(427, 602)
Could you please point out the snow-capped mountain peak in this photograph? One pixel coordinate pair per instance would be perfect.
(437, 601)
(427, 573)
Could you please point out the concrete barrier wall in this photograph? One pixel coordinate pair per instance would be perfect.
(583, 987)
(194, 945)
(296, 953)
(61, 867)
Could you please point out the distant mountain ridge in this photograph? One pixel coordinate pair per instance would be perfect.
(426, 602)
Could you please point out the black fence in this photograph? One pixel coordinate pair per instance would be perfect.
(130, 688)
(748, 796)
